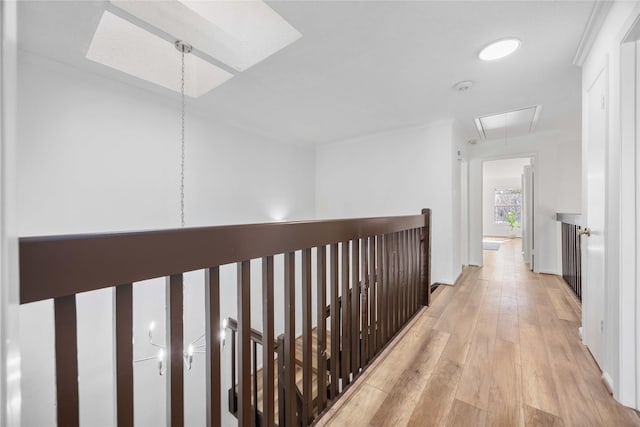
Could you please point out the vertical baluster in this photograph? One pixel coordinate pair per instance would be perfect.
(401, 279)
(124, 354)
(244, 347)
(402, 275)
(410, 271)
(212, 345)
(407, 275)
(335, 320)
(281, 386)
(254, 385)
(290, 339)
(394, 283)
(175, 364)
(366, 286)
(355, 306)
(383, 290)
(345, 315)
(399, 275)
(426, 263)
(233, 399)
(66, 345)
(373, 299)
(268, 368)
(416, 269)
(321, 313)
(307, 398)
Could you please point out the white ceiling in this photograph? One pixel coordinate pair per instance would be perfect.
(363, 67)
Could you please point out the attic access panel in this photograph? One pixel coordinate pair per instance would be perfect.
(511, 123)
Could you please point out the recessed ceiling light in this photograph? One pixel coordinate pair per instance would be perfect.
(499, 49)
(119, 44)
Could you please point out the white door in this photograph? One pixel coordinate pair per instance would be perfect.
(593, 294)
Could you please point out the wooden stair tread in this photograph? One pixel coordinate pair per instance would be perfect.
(298, 372)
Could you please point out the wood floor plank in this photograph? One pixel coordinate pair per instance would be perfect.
(476, 377)
(399, 358)
(576, 404)
(615, 414)
(534, 417)
(506, 385)
(561, 305)
(399, 404)
(443, 300)
(538, 386)
(526, 306)
(464, 323)
(436, 400)
(463, 415)
(508, 328)
(363, 405)
(446, 322)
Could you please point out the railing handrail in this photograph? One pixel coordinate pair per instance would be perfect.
(256, 336)
(56, 266)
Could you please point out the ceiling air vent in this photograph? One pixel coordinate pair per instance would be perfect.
(510, 123)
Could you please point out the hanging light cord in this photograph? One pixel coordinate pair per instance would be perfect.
(182, 143)
(182, 48)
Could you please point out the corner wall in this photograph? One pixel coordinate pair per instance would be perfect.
(397, 173)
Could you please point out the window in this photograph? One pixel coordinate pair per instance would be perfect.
(506, 200)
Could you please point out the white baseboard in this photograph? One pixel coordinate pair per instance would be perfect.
(608, 382)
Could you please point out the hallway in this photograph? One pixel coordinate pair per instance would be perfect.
(501, 348)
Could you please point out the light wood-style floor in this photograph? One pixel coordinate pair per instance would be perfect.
(500, 348)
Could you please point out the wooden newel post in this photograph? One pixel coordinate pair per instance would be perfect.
(426, 257)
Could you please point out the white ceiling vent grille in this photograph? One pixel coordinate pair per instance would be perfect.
(511, 123)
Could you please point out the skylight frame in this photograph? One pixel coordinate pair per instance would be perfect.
(203, 25)
(129, 48)
(532, 125)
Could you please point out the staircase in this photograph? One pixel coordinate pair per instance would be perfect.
(257, 382)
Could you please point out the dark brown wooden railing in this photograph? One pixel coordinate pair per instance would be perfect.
(571, 254)
(377, 271)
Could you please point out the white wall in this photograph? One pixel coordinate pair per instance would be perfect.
(96, 155)
(555, 159)
(396, 173)
(620, 365)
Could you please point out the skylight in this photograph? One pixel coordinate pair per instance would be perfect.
(238, 33)
(121, 45)
(510, 123)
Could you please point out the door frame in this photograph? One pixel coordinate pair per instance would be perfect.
(10, 395)
(628, 391)
(476, 182)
